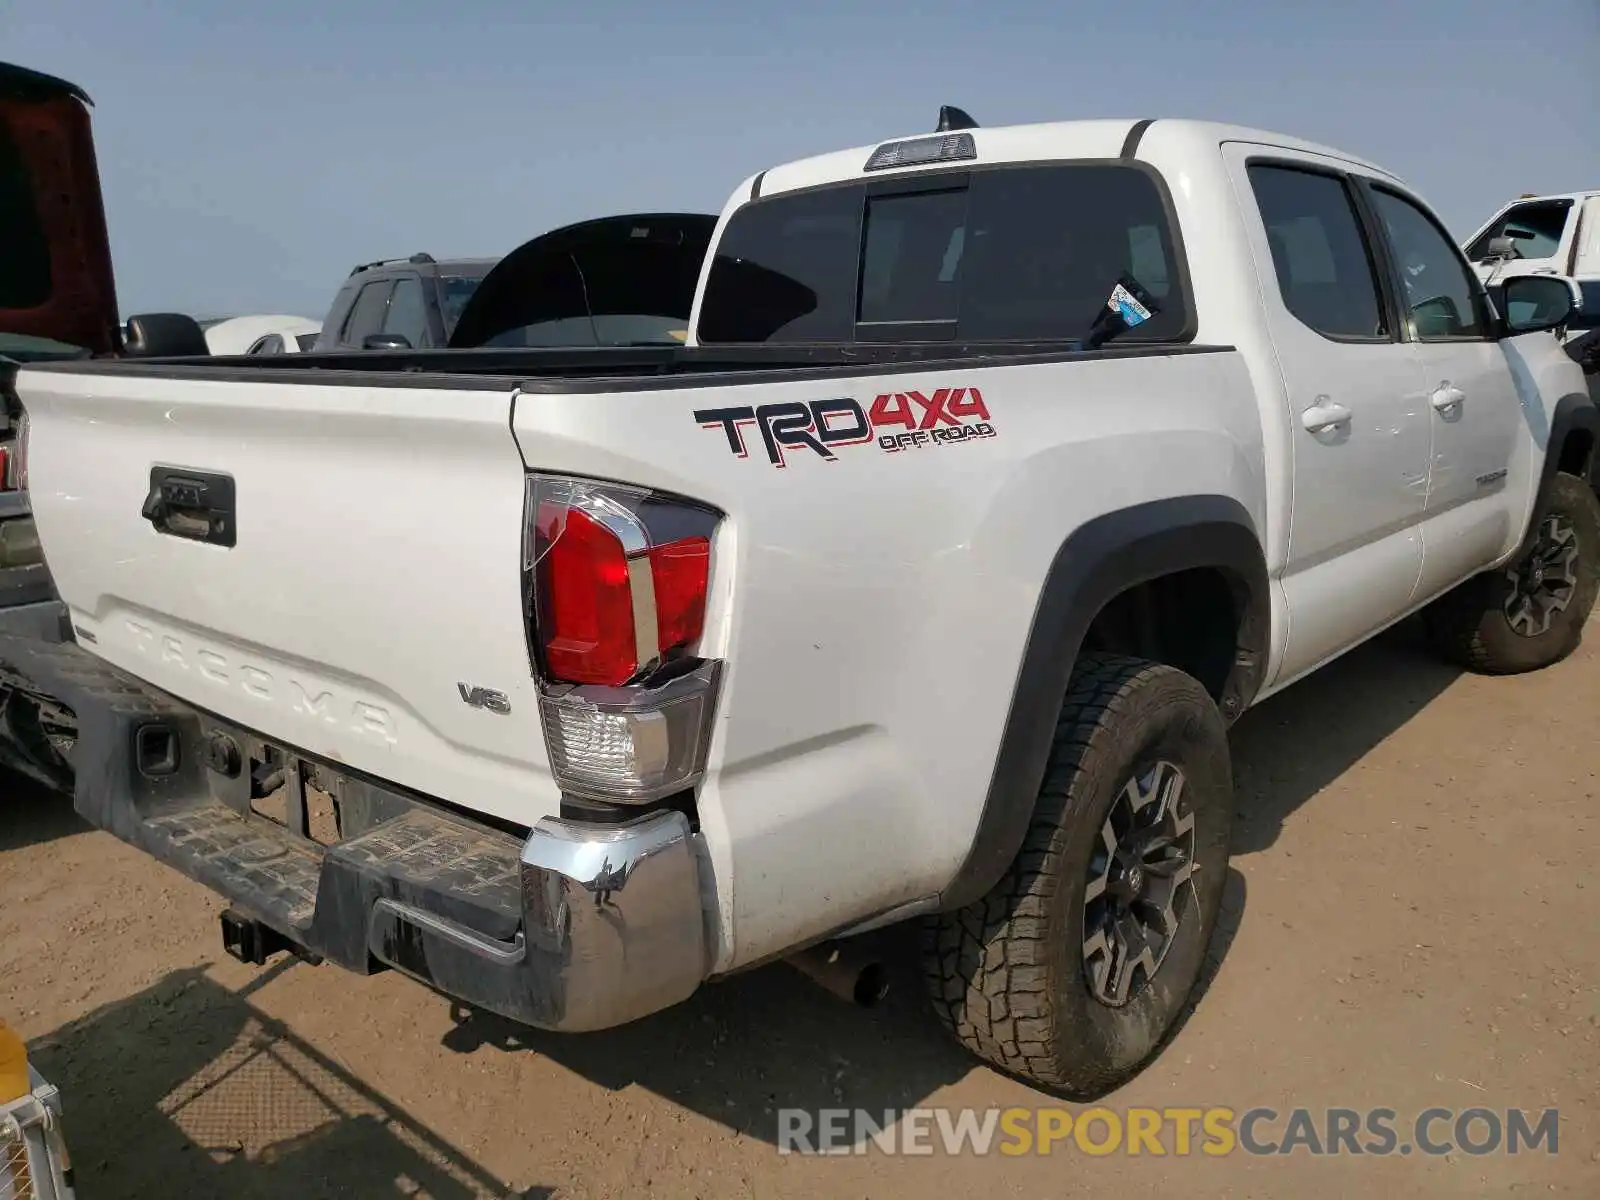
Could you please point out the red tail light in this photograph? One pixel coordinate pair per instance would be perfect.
(586, 609)
(680, 571)
(5, 470)
(611, 599)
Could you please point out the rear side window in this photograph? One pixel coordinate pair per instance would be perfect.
(1325, 272)
(1010, 254)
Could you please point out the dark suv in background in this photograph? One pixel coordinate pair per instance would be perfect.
(402, 303)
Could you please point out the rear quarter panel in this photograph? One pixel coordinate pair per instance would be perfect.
(872, 610)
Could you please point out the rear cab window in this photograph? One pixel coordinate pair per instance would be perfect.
(1025, 253)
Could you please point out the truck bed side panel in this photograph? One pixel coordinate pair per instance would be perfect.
(873, 609)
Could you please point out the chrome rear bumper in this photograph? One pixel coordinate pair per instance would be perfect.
(619, 908)
(577, 927)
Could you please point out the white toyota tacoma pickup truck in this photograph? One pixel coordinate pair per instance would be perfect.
(1001, 470)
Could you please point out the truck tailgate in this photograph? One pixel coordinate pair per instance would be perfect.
(374, 575)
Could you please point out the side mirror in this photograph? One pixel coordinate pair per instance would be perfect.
(164, 335)
(386, 341)
(1536, 303)
(1502, 247)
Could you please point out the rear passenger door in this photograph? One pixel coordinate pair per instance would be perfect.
(1357, 419)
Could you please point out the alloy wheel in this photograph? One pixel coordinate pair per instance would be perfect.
(1140, 884)
(1544, 580)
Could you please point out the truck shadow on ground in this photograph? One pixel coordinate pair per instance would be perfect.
(31, 813)
(186, 1089)
(745, 1047)
(1290, 747)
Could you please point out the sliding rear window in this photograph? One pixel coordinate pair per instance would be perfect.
(1006, 254)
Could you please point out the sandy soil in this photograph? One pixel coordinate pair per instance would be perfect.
(1413, 920)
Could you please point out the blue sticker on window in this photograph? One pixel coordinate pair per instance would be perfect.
(1126, 305)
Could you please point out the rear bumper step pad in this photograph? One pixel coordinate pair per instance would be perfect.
(576, 927)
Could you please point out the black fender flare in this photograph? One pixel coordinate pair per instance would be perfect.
(1096, 563)
(1573, 413)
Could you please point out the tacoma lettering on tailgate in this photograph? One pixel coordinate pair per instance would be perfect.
(304, 698)
(895, 420)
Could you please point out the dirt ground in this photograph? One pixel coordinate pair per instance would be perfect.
(1413, 920)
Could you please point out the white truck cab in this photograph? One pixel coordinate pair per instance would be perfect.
(1543, 235)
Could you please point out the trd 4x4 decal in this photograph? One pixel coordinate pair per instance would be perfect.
(896, 421)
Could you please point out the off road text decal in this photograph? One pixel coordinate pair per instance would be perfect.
(896, 421)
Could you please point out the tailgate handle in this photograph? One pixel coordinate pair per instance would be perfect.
(196, 505)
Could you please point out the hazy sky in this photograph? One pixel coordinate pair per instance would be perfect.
(253, 152)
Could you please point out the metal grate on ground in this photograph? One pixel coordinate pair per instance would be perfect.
(16, 1180)
(33, 1156)
(267, 1097)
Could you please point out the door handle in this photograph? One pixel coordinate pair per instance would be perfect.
(1324, 416)
(1447, 399)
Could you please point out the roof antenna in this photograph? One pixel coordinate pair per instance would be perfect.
(951, 117)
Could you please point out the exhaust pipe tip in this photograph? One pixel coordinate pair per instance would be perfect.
(872, 985)
(862, 981)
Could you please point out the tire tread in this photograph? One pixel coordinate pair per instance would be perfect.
(985, 965)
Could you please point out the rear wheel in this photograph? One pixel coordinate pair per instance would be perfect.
(1531, 612)
(1072, 971)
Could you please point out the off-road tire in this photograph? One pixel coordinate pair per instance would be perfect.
(1469, 625)
(1007, 974)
